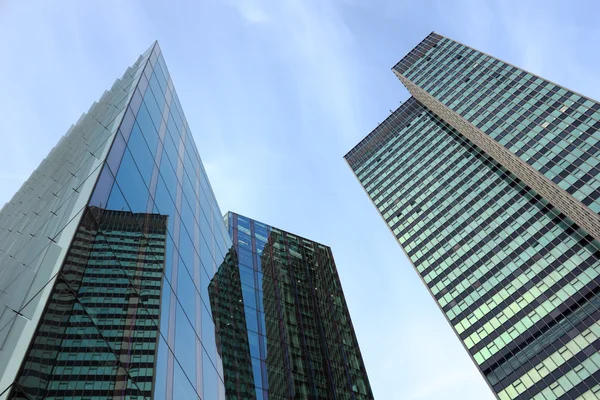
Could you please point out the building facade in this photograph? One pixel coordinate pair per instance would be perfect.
(488, 178)
(104, 308)
(106, 255)
(283, 326)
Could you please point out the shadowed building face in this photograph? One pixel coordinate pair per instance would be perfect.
(283, 325)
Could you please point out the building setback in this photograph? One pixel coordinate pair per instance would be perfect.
(282, 320)
(106, 254)
(489, 178)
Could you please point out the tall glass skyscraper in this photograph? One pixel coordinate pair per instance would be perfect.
(106, 255)
(283, 326)
(489, 178)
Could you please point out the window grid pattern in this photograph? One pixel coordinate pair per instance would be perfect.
(516, 278)
(97, 339)
(554, 130)
(37, 224)
(299, 336)
(154, 169)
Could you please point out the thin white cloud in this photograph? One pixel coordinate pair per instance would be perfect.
(252, 11)
(540, 34)
(242, 72)
(54, 57)
(318, 48)
(527, 28)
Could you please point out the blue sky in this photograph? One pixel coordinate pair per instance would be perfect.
(275, 93)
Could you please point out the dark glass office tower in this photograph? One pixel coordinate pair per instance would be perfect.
(488, 178)
(283, 327)
(106, 255)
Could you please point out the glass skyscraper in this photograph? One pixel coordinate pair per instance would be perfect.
(283, 326)
(106, 255)
(119, 278)
(489, 178)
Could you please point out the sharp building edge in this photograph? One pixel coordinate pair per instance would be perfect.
(119, 277)
(489, 178)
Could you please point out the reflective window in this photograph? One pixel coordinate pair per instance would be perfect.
(275, 345)
(126, 289)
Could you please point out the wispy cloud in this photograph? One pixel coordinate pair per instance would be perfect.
(540, 34)
(318, 49)
(43, 45)
(275, 92)
(252, 11)
(530, 31)
(476, 17)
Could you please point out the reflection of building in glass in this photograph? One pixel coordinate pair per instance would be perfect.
(102, 318)
(232, 339)
(489, 178)
(106, 254)
(300, 339)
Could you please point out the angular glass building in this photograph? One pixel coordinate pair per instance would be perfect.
(283, 327)
(106, 255)
(489, 178)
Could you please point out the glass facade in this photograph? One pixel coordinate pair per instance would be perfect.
(283, 326)
(99, 336)
(549, 127)
(516, 278)
(128, 309)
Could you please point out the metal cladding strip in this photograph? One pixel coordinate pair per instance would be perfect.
(569, 205)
